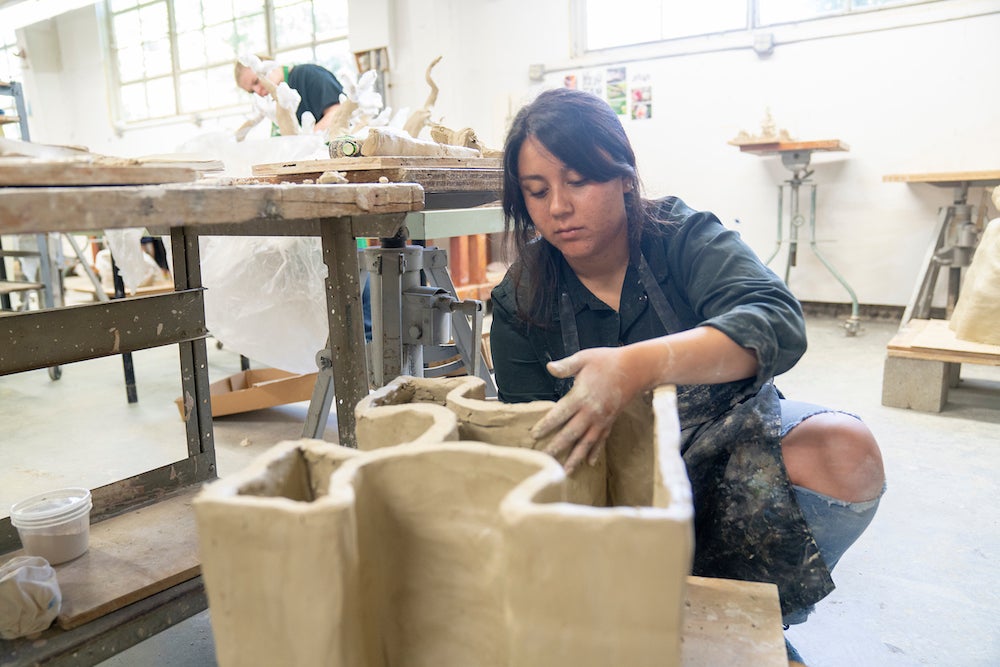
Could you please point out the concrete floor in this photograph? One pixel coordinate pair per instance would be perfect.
(921, 587)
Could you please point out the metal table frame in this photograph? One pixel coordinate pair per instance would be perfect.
(796, 156)
(337, 214)
(953, 241)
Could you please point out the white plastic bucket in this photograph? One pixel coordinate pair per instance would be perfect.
(54, 525)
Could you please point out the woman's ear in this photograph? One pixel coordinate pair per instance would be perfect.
(626, 185)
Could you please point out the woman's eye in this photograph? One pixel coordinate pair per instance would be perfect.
(577, 181)
(536, 194)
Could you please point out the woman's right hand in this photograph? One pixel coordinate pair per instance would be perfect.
(582, 419)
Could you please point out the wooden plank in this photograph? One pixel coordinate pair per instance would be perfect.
(14, 172)
(69, 209)
(906, 333)
(431, 180)
(947, 179)
(938, 336)
(729, 622)
(131, 557)
(83, 284)
(774, 147)
(434, 174)
(933, 340)
(373, 163)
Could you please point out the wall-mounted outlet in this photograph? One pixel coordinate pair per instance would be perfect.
(763, 43)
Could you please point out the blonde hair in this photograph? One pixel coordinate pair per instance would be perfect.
(240, 66)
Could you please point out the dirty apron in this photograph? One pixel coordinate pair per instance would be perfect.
(748, 524)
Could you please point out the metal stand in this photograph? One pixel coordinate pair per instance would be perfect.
(417, 318)
(798, 163)
(954, 254)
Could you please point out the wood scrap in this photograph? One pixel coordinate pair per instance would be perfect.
(17, 173)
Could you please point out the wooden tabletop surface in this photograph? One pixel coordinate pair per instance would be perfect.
(948, 179)
(776, 147)
(434, 174)
(71, 209)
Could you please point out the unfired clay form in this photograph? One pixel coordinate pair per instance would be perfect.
(415, 123)
(433, 549)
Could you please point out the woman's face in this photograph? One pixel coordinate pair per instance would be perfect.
(585, 220)
(250, 81)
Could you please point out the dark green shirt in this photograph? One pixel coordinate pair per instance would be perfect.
(748, 525)
(709, 276)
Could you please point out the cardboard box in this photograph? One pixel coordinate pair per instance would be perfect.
(256, 389)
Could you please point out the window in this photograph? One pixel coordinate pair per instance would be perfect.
(613, 23)
(174, 58)
(657, 20)
(786, 11)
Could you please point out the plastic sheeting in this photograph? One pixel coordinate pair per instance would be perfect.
(265, 298)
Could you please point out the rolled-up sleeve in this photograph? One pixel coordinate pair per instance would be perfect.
(731, 290)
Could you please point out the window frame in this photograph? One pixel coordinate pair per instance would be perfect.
(199, 115)
(761, 37)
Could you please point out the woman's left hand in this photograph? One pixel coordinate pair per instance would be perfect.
(583, 417)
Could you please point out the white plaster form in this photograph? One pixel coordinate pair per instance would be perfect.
(433, 549)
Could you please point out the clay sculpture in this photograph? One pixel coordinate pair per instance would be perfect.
(415, 123)
(427, 547)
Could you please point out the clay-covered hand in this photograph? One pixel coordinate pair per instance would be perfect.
(583, 417)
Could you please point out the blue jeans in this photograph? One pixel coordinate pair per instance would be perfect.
(835, 524)
(366, 307)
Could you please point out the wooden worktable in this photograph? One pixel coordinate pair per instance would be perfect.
(776, 147)
(946, 248)
(270, 207)
(448, 183)
(338, 214)
(948, 179)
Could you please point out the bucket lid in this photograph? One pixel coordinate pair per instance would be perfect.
(50, 507)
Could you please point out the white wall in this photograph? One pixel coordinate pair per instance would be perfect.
(915, 99)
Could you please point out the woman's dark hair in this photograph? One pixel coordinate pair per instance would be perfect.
(584, 132)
